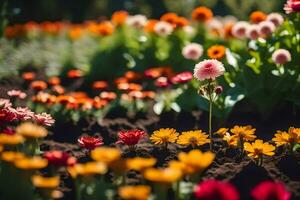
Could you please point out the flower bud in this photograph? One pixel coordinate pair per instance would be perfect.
(218, 90)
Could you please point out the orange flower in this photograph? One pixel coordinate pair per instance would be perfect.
(138, 192)
(163, 176)
(64, 99)
(51, 27)
(170, 18)
(149, 27)
(100, 85)
(99, 103)
(216, 52)
(119, 17)
(202, 14)
(74, 73)
(58, 89)
(45, 182)
(129, 86)
(228, 30)
(33, 163)
(181, 22)
(75, 32)
(87, 169)
(105, 28)
(38, 85)
(132, 76)
(257, 16)
(54, 81)
(139, 164)
(109, 96)
(11, 140)
(28, 76)
(11, 156)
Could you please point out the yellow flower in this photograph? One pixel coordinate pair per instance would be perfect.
(87, 169)
(244, 132)
(139, 164)
(164, 136)
(163, 176)
(284, 138)
(231, 140)
(258, 148)
(32, 163)
(11, 139)
(1, 148)
(194, 138)
(106, 155)
(11, 156)
(30, 130)
(222, 131)
(176, 164)
(195, 160)
(45, 182)
(138, 192)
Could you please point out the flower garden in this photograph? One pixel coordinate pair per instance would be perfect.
(128, 107)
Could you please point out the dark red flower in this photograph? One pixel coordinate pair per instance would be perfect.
(183, 77)
(218, 89)
(269, 190)
(216, 190)
(162, 82)
(8, 131)
(59, 158)
(89, 142)
(7, 115)
(130, 137)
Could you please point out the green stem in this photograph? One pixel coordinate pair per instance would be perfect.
(210, 125)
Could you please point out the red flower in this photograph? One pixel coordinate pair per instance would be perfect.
(162, 82)
(130, 137)
(269, 190)
(7, 115)
(292, 6)
(8, 131)
(213, 189)
(59, 158)
(74, 73)
(89, 142)
(183, 77)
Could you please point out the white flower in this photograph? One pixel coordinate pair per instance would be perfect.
(192, 51)
(163, 28)
(137, 21)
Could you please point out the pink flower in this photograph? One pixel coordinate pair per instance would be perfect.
(292, 6)
(253, 32)
(239, 29)
(17, 94)
(130, 137)
(89, 142)
(213, 189)
(7, 113)
(275, 18)
(44, 119)
(183, 77)
(137, 21)
(208, 69)
(59, 158)
(163, 28)
(162, 82)
(281, 56)
(5, 103)
(24, 113)
(269, 190)
(266, 27)
(192, 51)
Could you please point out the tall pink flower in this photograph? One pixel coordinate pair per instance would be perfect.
(213, 189)
(131, 137)
(292, 6)
(269, 190)
(281, 56)
(44, 119)
(208, 69)
(192, 51)
(17, 94)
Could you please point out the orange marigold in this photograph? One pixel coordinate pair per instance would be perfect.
(38, 85)
(257, 16)
(216, 52)
(202, 14)
(119, 17)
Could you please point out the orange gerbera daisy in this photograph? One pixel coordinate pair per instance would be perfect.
(202, 14)
(149, 27)
(75, 32)
(38, 85)
(105, 28)
(257, 16)
(181, 22)
(119, 17)
(170, 18)
(216, 52)
(54, 80)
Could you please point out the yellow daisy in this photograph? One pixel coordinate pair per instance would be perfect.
(258, 148)
(164, 136)
(194, 138)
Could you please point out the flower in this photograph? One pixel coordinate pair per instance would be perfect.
(100, 85)
(258, 148)
(74, 73)
(194, 138)
(195, 160)
(140, 164)
(170, 17)
(232, 140)
(17, 94)
(163, 29)
(87, 169)
(239, 29)
(45, 182)
(292, 6)
(8, 131)
(266, 28)
(44, 119)
(24, 113)
(54, 80)
(281, 56)
(136, 21)
(32, 163)
(213, 189)
(11, 140)
(119, 17)
(162, 82)
(30, 130)
(11, 156)
(38, 85)
(131, 137)
(59, 158)
(222, 131)
(202, 14)
(149, 27)
(182, 77)
(285, 138)
(7, 114)
(192, 51)
(216, 52)
(164, 136)
(162, 176)
(89, 142)
(253, 32)
(105, 28)
(276, 18)
(247, 133)
(106, 155)
(137, 192)
(208, 69)
(28, 76)
(257, 17)
(268, 190)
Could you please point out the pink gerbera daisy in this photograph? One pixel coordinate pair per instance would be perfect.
(281, 56)
(192, 51)
(208, 69)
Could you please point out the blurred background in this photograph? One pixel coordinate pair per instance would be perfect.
(76, 11)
